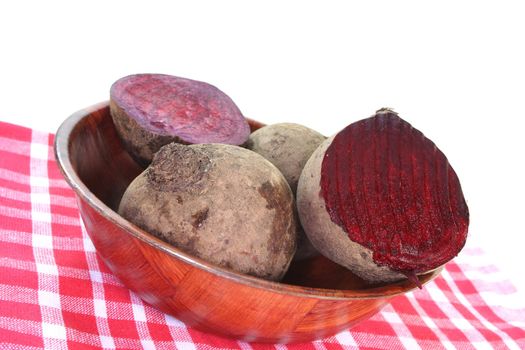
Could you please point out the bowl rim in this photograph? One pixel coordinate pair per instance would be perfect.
(61, 149)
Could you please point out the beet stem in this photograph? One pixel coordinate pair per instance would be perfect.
(412, 277)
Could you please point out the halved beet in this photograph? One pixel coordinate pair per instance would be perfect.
(151, 110)
(388, 191)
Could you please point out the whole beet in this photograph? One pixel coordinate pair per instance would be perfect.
(288, 146)
(222, 203)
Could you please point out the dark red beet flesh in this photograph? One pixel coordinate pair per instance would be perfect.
(393, 191)
(193, 111)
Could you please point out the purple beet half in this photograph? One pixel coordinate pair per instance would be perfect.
(151, 110)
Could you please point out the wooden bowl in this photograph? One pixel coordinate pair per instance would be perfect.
(317, 298)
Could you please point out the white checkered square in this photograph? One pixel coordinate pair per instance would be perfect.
(138, 312)
(40, 198)
(38, 181)
(42, 241)
(183, 345)
(147, 344)
(54, 331)
(40, 216)
(50, 299)
(47, 269)
(100, 308)
(345, 338)
(96, 276)
(39, 151)
(172, 321)
(107, 342)
(462, 323)
(88, 245)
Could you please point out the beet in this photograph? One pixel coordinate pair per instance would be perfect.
(151, 110)
(406, 202)
(222, 203)
(389, 194)
(288, 146)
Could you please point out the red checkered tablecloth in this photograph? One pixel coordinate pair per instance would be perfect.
(56, 293)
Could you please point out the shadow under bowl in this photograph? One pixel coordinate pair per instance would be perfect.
(317, 298)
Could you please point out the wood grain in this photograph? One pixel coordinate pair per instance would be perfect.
(317, 298)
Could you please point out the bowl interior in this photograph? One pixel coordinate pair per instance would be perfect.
(101, 168)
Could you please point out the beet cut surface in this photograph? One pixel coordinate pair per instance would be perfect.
(192, 111)
(393, 191)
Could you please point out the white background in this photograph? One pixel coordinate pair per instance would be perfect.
(454, 69)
